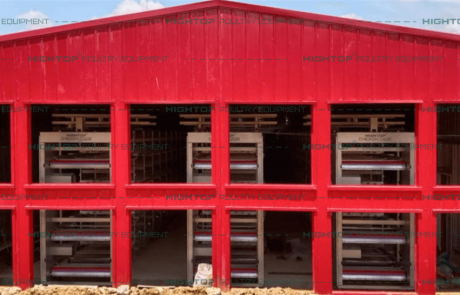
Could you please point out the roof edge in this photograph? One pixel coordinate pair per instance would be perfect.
(358, 24)
(110, 20)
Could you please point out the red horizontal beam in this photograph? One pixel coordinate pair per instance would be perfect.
(370, 102)
(389, 188)
(271, 208)
(386, 210)
(177, 186)
(168, 102)
(73, 186)
(440, 211)
(280, 187)
(6, 186)
(67, 101)
(305, 102)
(171, 207)
(447, 188)
(68, 207)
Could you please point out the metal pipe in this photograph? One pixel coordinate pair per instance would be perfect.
(81, 273)
(208, 238)
(393, 166)
(69, 236)
(235, 166)
(244, 275)
(374, 240)
(373, 277)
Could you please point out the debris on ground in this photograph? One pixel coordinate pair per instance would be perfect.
(126, 290)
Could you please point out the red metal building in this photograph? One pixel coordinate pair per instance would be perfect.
(220, 64)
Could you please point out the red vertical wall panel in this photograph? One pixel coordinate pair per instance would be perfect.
(63, 68)
(226, 52)
(379, 71)
(392, 82)
(323, 69)
(36, 70)
(212, 48)
(186, 59)
(89, 38)
(143, 71)
(267, 55)
(450, 70)
(293, 55)
(350, 73)
(9, 78)
(76, 75)
(407, 68)
(365, 66)
(198, 44)
(130, 71)
(22, 62)
(308, 82)
(116, 68)
(253, 74)
(436, 82)
(102, 77)
(280, 59)
(49, 69)
(337, 68)
(239, 57)
(171, 68)
(421, 70)
(156, 73)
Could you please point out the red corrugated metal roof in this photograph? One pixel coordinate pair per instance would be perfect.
(233, 5)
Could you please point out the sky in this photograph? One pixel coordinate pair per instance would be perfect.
(399, 12)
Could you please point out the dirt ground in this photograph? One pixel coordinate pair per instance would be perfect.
(74, 290)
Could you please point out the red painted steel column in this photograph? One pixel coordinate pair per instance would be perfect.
(425, 267)
(121, 169)
(321, 177)
(23, 248)
(221, 218)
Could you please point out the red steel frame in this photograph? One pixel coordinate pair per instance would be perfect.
(223, 83)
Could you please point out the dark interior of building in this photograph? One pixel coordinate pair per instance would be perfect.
(449, 142)
(5, 147)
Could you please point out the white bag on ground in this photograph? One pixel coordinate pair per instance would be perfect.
(203, 276)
